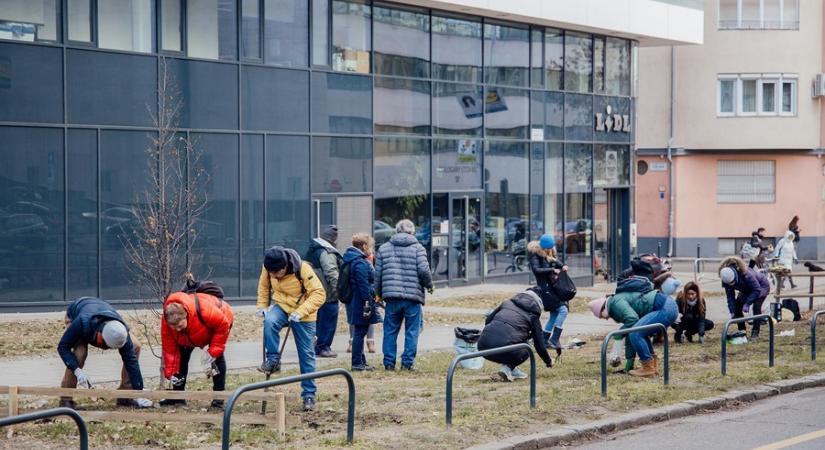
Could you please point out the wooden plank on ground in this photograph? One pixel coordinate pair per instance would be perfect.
(13, 401)
(151, 395)
(142, 416)
(281, 415)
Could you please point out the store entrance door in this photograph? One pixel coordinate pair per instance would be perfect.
(612, 211)
(458, 237)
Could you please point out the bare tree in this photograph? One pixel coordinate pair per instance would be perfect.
(159, 249)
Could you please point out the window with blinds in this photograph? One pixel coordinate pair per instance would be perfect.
(745, 182)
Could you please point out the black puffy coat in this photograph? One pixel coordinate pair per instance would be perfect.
(515, 321)
(543, 269)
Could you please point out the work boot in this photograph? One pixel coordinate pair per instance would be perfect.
(754, 334)
(547, 335)
(679, 338)
(656, 363)
(648, 369)
(553, 342)
(270, 366)
(172, 402)
(217, 404)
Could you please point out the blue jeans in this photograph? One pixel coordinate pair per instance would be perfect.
(640, 341)
(326, 323)
(556, 319)
(276, 318)
(358, 335)
(397, 311)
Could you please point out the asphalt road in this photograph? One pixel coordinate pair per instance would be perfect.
(794, 421)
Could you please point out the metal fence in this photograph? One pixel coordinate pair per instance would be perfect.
(652, 326)
(81, 424)
(743, 320)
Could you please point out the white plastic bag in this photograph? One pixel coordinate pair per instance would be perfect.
(617, 353)
(462, 347)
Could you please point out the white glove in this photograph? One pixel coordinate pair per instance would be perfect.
(207, 359)
(176, 381)
(678, 318)
(82, 378)
(260, 312)
(143, 403)
(295, 317)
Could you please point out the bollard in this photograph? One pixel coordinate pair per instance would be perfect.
(742, 320)
(81, 424)
(813, 333)
(699, 250)
(652, 326)
(659, 249)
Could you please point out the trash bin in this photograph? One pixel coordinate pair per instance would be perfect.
(466, 341)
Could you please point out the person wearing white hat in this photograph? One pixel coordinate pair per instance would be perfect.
(92, 321)
(753, 288)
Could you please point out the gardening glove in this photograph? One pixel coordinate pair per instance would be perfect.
(295, 317)
(260, 312)
(747, 308)
(678, 319)
(177, 381)
(207, 361)
(431, 290)
(143, 403)
(82, 378)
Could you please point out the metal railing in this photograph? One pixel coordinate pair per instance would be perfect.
(37, 415)
(730, 322)
(652, 326)
(227, 414)
(491, 351)
(813, 333)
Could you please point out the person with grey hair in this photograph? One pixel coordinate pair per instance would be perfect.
(402, 273)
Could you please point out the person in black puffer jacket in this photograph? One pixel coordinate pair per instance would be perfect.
(515, 321)
(546, 268)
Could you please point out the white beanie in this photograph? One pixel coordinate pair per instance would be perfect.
(727, 275)
(115, 334)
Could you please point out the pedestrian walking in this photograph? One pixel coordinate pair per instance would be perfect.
(363, 308)
(402, 273)
(786, 255)
(92, 321)
(692, 318)
(515, 321)
(189, 320)
(793, 225)
(753, 288)
(289, 294)
(546, 268)
(326, 260)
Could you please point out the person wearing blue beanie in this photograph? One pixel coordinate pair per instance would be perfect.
(547, 241)
(546, 268)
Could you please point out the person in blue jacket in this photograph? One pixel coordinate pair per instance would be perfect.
(92, 321)
(363, 310)
(753, 288)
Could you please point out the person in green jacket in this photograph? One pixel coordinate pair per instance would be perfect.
(634, 304)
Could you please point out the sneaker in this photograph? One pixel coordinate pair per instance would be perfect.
(505, 373)
(389, 368)
(326, 353)
(142, 403)
(217, 404)
(408, 368)
(269, 366)
(364, 368)
(309, 403)
(172, 402)
(518, 374)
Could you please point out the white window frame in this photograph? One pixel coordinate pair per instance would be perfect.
(778, 79)
(740, 97)
(782, 24)
(719, 81)
(792, 79)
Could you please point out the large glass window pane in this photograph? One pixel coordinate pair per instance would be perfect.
(275, 99)
(547, 112)
(553, 58)
(598, 64)
(537, 57)
(27, 20)
(402, 42)
(402, 185)
(507, 112)
(80, 20)
(287, 192)
(251, 29)
(456, 164)
(728, 14)
(341, 103)
(286, 30)
(536, 190)
(768, 97)
(554, 192)
(402, 106)
(578, 62)
(506, 55)
(33, 90)
(95, 93)
(217, 227)
(613, 119)
(320, 32)
(211, 29)
(727, 95)
(507, 194)
(252, 212)
(617, 67)
(341, 165)
(123, 183)
(578, 117)
(351, 43)
(125, 25)
(788, 95)
(771, 13)
(81, 180)
(31, 214)
(750, 14)
(457, 109)
(611, 165)
(748, 96)
(790, 14)
(578, 217)
(456, 47)
(209, 93)
(171, 25)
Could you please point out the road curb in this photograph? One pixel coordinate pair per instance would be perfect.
(570, 433)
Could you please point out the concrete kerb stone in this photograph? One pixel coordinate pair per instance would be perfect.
(570, 433)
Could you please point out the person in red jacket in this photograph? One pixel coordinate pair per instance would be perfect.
(189, 321)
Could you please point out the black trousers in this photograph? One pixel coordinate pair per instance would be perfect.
(691, 326)
(218, 381)
(737, 312)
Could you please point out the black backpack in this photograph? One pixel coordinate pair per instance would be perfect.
(344, 288)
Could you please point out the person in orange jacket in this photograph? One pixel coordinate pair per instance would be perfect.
(195, 320)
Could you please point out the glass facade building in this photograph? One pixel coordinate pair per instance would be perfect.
(485, 134)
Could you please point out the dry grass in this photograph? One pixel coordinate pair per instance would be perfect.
(407, 409)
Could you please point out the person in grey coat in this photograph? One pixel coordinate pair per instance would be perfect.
(402, 273)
